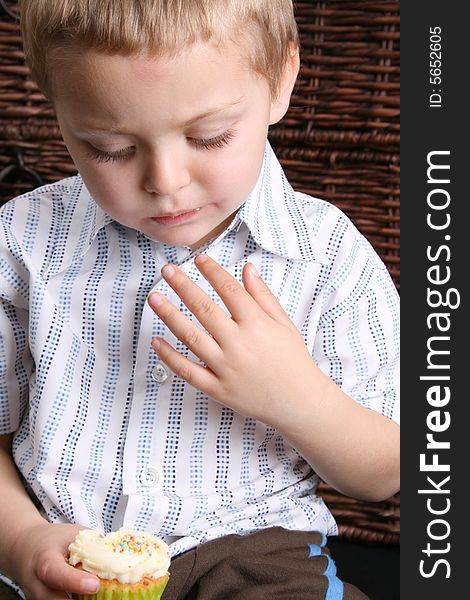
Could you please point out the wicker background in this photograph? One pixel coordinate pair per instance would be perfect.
(339, 141)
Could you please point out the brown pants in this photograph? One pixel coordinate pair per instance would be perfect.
(271, 564)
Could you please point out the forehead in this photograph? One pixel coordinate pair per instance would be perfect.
(89, 66)
(113, 90)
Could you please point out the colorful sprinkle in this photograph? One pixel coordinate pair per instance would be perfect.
(131, 544)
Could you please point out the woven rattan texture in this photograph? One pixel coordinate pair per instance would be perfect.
(338, 141)
(374, 522)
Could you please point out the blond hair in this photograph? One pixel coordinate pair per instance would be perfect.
(265, 28)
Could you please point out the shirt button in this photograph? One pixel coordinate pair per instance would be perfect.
(160, 373)
(149, 476)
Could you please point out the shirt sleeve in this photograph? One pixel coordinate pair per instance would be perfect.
(357, 343)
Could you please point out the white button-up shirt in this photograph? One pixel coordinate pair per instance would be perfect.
(105, 434)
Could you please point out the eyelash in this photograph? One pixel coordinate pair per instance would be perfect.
(216, 142)
(103, 156)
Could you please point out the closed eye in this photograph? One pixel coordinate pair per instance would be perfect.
(218, 141)
(104, 156)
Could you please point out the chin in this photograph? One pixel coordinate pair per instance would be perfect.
(175, 239)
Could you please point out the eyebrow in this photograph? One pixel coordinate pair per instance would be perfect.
(212, 112)
(115, 128)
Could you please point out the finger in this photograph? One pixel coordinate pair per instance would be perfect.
(196, 375)
(211, 316)
(193, 337)
(234, 296)
(56, 574)
(261, 293)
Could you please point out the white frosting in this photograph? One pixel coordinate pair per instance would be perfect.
(125, 555)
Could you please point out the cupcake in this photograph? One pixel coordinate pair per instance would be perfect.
(131, 565)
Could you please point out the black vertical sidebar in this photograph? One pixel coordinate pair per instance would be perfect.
(435, 139)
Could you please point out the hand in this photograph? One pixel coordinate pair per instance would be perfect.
(41, 569)
(256, 362)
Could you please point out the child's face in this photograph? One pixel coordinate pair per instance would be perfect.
(170, 147)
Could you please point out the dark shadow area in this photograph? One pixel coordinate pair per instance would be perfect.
(7, 593)
(374, 569)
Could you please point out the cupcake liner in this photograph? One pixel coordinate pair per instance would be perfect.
(116, 591)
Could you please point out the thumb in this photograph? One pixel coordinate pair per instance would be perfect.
(261, 293)
(57, 574)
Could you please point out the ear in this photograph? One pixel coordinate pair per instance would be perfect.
(280, 104)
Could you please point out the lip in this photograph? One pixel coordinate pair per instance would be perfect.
(177, 218)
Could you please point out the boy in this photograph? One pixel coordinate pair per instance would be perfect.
(150, 376)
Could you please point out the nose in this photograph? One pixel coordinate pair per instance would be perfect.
(166, 174)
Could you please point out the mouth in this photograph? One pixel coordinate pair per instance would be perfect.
(176, 218)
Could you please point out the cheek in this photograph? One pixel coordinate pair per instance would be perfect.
(224, 179)
(239, 168)
(100, 180)
(105, 184)
(104, 181)
(242, 173)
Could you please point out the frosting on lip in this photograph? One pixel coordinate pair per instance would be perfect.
(125, 555)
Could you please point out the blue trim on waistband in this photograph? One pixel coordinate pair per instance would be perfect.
(335, 589)
(335, 585)
(314, 550)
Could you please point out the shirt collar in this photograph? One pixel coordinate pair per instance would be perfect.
(81, 220)
(273, 212)
(276, 217)
(86, 216)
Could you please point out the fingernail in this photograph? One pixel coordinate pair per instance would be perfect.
(89, 586)
(156, 344)
(201, 258)
(168, 271)
(155, 299)
(253, 270)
